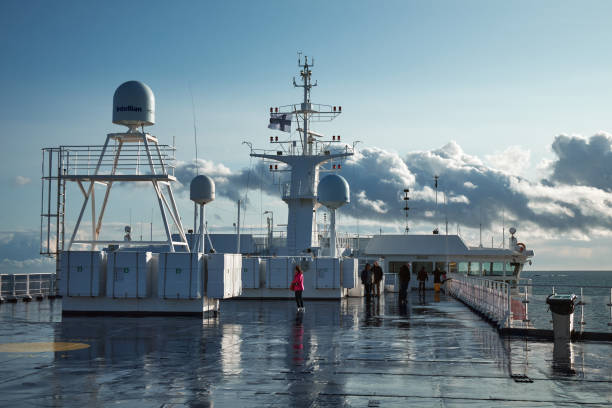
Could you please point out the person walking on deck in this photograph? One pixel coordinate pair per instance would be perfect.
(404, 281)
(378, 277)
(297, 286)
(366, 279)
(422, 277)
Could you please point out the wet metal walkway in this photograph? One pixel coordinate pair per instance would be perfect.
(434, 353)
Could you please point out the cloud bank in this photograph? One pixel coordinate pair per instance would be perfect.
(583, 162)
(576, 196)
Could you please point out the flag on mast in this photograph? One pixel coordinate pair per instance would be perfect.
(280, 121)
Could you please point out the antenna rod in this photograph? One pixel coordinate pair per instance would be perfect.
(238, 230)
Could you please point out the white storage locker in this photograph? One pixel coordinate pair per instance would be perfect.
(349, 272)
(278, 274)
(250, 272)
(82, 273)
(237, 275)
(327, 273)
(224, 275)
(180, 275)
(129, 274)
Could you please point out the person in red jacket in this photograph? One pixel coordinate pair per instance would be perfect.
(298, 287)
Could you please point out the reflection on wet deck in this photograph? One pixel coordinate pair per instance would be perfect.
(434, 352)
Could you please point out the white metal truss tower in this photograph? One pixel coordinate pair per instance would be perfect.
(121, 159)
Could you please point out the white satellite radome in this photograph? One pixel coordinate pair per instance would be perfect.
(134, 105)
(333, 191)
(202, 190)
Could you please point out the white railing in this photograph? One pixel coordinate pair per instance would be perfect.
(25, 285)
(490, 297)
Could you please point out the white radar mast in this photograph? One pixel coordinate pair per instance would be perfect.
(304, 157)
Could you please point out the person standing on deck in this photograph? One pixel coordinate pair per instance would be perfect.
(378, 277)
(437, 273)
(404, 281)
(422, 277)
(298, 287)
(366, 279)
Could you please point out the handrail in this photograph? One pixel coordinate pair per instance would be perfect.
(490, 297)
(26, 285)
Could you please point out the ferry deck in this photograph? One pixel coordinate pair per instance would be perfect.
(433, 352)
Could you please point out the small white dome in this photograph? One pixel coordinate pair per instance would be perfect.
(333, 191)
(202, 189)
(134, 105)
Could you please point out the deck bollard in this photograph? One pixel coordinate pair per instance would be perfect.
(562, 308)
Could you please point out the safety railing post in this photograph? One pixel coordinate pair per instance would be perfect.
(582, 303)
(610, 306)
(509, 305)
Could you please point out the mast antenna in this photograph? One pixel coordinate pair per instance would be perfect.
(406, 208)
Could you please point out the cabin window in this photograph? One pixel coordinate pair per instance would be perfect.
(486, 268)
(474, 268)
(497, 268)
(416, 267)
(452, 267)
(394, 267)
(469, 268)
(441, 266)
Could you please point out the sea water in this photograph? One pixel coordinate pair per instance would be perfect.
(595, 288)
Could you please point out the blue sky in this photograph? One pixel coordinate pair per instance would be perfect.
(500, 80)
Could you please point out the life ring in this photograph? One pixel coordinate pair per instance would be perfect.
(521, 246)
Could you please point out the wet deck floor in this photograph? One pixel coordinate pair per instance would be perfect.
(263, 353)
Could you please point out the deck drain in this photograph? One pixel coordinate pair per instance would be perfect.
(520, 378)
